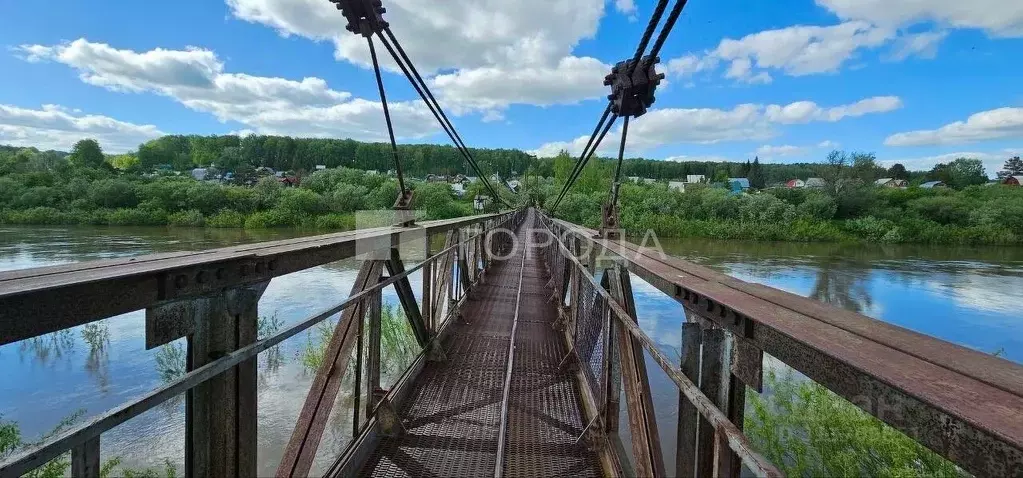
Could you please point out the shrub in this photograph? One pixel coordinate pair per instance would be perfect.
(943, 209)
(302, 201)
(38, 196)
(226, 218)
(874, 229)
(113, 193)
(273, 218)
(191, 218)
(41, 215)
(817, 206)
(344, 222)
(349, 198)
(137, 217)
(9, 191)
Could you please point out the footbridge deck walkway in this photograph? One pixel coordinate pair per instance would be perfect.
(529, 347)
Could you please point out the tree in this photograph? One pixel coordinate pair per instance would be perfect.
(966, 172)
(756, 174)
(1012, 167)
(87, 154)
(940, 172)
(898, 171)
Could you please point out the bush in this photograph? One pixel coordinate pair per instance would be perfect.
(9, 191)
(38, 196)
(273, 218)
(137, 217)
(943, 209)
(226, 218)
(349, 198)
(113, 193)
(343, 222)
(817, 206)
(40, 215)
(190, 218)
(302, 201)
(874, 229)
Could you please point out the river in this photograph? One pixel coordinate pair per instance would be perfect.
(970, 296)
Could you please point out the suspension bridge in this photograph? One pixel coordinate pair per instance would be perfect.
(529, 347)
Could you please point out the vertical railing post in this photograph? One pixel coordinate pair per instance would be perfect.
(220, 414)
(646, 442)
(359, 350)
(85, 461)
(428, 289)
(688, 417)
(714, 382)
(374, 304)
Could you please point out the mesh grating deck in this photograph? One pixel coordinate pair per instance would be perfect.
(453, 412)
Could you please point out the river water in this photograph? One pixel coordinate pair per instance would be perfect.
(970, 296)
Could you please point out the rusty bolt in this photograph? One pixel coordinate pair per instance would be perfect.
(259, 267)
(201, 277)
(272, 265)
(181, 281)
(245, 270)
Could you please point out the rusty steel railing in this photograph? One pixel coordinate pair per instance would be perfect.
(963, 404)
(211, 297)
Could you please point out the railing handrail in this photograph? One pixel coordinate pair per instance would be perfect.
(956, 401)
(31, 459)
(737, 441)
(38, 301)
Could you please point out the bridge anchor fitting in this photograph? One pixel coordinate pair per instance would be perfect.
(632, 95)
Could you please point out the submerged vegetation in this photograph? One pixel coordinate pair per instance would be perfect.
(807, 430)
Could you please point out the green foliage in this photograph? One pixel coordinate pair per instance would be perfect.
(273, 218)
(87, 154)
(226, 218)
(113, 193)
(190, 218)
(807, 430)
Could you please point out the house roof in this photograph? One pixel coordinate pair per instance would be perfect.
(816, 182)
(931, 184)
(883, 181)
(744, 182)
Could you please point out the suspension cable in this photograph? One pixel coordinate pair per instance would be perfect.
(585, 158)
(669, 24)
(621, 156)
(416, 80)
(578, 165)
(387, 114)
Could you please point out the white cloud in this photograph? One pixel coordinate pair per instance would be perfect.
(196, 78)
(992, 124)
(627, 7)
(770, 151)
(448, 34)
(796, 50)
(806, 111)
(828, 144)
(56, 127)
(745, 122)
(924, 45)
(704, 159)
(993, 160)
(997, 17)
(571, 80)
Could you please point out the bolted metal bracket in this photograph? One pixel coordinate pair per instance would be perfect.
(365, 17)
(609, 222)
(570, 362)
(632, 95)
(404, 216)
(435, 352)
(390, 421)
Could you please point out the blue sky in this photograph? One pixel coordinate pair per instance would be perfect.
(916, 82)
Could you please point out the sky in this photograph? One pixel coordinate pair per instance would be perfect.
(916, 82)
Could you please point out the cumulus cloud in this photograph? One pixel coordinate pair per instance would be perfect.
(770, 151)
(196, 78)
(997, 17)
(992, 160)
(986, 125)
(800, 50)
(56, 127)
(492, 53)
(807, 111)
(829, 144)
(449, 34)
(744, 122)
(702, 158)
(571, 80)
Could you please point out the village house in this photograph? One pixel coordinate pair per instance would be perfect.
(816, 183)
(795, 183)
(932, 184)
(1013, 181)
(891, 183)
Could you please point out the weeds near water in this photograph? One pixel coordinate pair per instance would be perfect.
(807, 430)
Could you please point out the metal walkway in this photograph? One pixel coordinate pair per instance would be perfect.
(452, 416)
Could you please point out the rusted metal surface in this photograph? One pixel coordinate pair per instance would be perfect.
(706, 407)
(958, 402)
(453, 412)
(42, 300)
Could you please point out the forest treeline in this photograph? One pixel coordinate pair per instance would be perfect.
(85, 186)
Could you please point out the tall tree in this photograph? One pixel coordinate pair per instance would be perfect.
(756, 174)
(898, 171)
(1012, 167)
(967, 172)
(87, 154)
